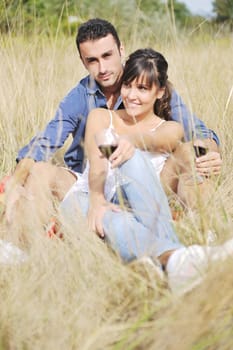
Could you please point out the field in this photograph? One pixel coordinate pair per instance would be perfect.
(76, 294)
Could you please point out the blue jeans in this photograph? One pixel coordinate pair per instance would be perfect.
(145, 227)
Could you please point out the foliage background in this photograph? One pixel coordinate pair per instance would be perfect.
(46, 16)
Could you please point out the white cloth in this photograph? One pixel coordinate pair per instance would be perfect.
(82, 183)
(158, 161)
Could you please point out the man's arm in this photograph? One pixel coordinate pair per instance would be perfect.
(194, 128)
(72, 108)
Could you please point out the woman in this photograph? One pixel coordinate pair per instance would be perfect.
(146, 93)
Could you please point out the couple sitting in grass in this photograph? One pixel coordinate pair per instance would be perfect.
(133, 218)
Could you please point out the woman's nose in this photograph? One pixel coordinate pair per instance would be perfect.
(132, 93)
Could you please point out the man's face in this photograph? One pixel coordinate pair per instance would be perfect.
(102, 59)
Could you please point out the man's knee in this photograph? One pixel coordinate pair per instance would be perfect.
(42, 168)
(185, 157)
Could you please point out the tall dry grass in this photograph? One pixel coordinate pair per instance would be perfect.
(76, 294)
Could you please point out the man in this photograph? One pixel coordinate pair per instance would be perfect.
(102, 54)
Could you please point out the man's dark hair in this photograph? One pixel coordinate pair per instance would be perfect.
(94, 29)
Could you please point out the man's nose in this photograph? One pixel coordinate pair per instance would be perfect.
(102, 67)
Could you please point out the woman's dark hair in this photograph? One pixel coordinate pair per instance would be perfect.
(94, 29)
(153, 66)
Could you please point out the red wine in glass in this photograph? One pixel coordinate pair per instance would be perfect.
(199, 151)
(107, 150)
(107, 141)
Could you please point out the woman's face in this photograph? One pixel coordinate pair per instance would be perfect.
(139, 98)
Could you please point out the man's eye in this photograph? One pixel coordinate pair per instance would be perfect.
(91, 60)
(107, 55)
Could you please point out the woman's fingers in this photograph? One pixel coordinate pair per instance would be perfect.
(124, 152)
(95, 217)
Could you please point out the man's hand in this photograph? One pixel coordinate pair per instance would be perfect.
(95, 216)
(124, 152)
(209, 164)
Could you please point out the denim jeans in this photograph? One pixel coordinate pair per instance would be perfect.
(144, 227)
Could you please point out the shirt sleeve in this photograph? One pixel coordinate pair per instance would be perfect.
(64, 123)
(193, 126)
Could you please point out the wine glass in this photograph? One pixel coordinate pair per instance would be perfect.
(199, 150)
(107, 142)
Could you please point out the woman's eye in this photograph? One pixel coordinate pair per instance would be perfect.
(142, 87)
(126, 85)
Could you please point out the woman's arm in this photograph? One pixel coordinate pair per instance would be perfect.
(98, 120)
(164, 139)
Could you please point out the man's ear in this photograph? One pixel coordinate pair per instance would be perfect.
(122, 52)
(82, 61)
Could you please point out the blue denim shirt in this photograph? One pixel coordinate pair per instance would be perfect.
(71, 116)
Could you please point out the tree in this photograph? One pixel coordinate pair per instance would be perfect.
(181, 12)
(224, 11)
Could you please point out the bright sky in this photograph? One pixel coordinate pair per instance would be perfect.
(201, 7)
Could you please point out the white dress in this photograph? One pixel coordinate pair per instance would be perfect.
(157, 159)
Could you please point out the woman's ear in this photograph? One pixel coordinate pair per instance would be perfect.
(160, 92)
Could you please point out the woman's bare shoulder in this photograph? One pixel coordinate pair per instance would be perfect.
(171, 124)
(101, 114)
(98, 111)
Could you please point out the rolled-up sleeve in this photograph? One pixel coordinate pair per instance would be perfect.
(193, 126)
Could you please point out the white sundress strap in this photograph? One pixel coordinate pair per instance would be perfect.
(161, 122)
(111, 123)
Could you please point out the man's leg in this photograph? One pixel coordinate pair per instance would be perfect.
(34, 199)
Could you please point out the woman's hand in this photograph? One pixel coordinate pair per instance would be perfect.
(124, 152)
(96, 213)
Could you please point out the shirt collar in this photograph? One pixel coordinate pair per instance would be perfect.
(92, 86)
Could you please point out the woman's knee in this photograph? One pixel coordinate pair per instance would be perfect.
(137, 166)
